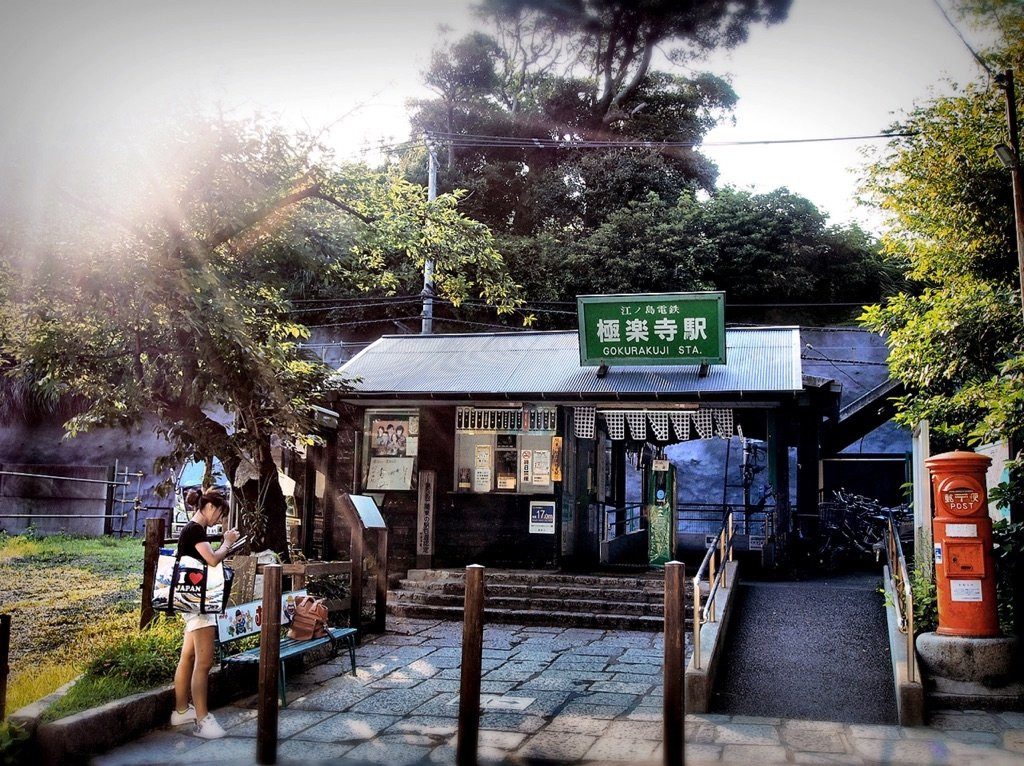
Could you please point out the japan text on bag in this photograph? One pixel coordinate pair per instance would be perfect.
(309, 620)
(190, 586)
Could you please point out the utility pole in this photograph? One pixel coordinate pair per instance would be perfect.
(1012, 160)
(1010, 157)
(427, 326)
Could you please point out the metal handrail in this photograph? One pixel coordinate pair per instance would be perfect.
(714, 564)
(899, 578)
(619, 522)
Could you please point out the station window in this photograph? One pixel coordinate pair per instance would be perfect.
(506, 449)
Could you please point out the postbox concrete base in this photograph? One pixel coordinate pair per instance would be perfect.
(971, 672)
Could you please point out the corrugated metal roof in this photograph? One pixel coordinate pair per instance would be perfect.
(764, 359)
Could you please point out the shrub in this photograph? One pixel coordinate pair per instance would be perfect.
(926, 603)
(1008, 546)
(12, 743)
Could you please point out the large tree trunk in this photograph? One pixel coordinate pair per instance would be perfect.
(263, 499)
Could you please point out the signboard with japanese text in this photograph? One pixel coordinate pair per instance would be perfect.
(425, 514)
(652, 329)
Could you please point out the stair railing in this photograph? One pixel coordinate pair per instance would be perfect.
(899, 582)
(714, 567)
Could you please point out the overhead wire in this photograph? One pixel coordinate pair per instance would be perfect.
(482, 141)
(981, 62)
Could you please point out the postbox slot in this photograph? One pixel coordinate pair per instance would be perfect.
(965, 559)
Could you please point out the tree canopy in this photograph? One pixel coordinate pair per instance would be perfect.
(515, 109)
(956, 337)
(184, 309)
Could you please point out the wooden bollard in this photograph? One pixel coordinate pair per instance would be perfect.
(673, 715)
(5, 669)
(150, 557)
(472, 663)
(270, 659)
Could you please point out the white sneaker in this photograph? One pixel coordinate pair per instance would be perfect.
(208, 728)
(177, 719)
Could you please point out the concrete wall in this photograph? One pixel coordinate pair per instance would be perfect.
(53, 504)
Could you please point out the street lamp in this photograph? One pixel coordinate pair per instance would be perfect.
(1006, 156)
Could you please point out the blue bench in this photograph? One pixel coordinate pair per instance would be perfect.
(244, 620)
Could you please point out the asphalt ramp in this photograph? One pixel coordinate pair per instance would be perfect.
(813, 649)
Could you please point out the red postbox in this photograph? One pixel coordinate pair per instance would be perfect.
(965, 582)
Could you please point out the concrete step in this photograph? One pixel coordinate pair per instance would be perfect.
(564, 590)
(531, 617)
(652, 579)
(531, 602)
(630, 601)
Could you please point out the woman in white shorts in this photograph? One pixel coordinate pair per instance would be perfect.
(197, 650)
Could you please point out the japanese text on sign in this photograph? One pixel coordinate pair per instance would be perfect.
(674, 328)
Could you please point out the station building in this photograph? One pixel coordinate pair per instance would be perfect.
(522, 450)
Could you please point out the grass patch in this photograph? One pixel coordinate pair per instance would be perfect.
(135, 662)
(69, 599)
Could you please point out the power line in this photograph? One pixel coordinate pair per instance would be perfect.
(343, 298)
(479, 140)
(317, 309)
(482, 141)
(963, 39)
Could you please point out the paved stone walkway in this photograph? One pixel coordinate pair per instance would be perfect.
(550, 695)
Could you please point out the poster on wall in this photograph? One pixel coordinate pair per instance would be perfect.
(390, 473)
(482, 480)
(390, 446)
(483, 456)
(542, 517)
(541, 467)
(394, 434)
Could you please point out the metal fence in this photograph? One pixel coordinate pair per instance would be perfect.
(698, 524)
(118, 506)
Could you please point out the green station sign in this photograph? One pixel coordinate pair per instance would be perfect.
(652, 329)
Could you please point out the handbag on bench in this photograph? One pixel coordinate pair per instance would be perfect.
(309, 620)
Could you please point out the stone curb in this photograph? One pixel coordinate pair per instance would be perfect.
(910, 698)
(699, 683)
(72, 739)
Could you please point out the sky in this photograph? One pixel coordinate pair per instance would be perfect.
(85, 81)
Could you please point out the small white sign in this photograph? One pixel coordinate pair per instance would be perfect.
(961, 530)
(755, 543)
(965, 590)
(659, 465)
(938, 553)
(482, 480)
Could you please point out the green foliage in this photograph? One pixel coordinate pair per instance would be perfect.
(146, 658)
(138, 661)
(1011, 492)
(926, 603)
(579, 72)
(13, 739)
(68, 597)
(1008, 550)
(181, 307)
(955, 334)
(757, 247)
